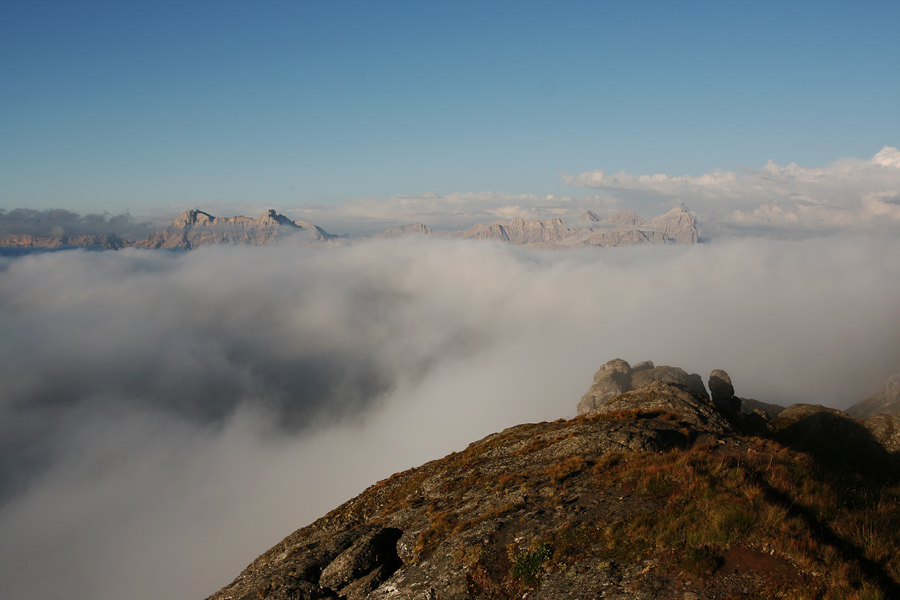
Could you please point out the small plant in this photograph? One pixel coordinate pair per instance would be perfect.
(526, 566)
(701, 562)
(566, 468)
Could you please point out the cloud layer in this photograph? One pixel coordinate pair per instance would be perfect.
(166, 418)
(60, 222)
(849, 195)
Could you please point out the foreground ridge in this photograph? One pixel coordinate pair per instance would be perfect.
(660, 492)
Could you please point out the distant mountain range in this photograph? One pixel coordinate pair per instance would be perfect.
(194, 228)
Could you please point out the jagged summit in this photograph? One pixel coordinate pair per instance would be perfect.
(659, 492)
(195, 228)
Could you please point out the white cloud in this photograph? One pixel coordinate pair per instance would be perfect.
(849, 194)
(166, 418)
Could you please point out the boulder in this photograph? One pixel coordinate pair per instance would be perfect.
(720, 387)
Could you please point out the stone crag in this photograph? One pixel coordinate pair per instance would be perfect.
(886, 400)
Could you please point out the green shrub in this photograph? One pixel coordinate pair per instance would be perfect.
(526, 566)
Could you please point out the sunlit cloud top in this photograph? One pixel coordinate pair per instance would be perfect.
(848, 194)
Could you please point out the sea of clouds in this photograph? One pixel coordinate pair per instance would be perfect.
(165, 418)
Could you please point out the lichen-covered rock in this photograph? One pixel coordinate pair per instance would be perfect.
(673, 398)
(374, 550)
(885, 429)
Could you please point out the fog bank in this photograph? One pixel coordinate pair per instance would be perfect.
(166, 418)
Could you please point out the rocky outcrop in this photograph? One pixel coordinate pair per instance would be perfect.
(721, 389)
(886, 400)
(886, 429)
(662, 395)
(617, 377)
(194, 228)
(654, 494)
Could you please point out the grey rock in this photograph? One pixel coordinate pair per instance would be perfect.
(377, 549)
(676, 398)
(720, 387)
(610, 380)
(617, 377)
(885, 429)
(886, 400)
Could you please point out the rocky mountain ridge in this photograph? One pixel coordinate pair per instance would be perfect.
(885, 400)
(658, 492)
(194, 228)
(624, 228)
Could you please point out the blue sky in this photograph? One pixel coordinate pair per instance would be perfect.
(113, 106)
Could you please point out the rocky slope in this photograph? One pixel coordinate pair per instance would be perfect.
(659, 493)
(886, 400)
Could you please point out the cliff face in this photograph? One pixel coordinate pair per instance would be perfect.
(659, 493)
